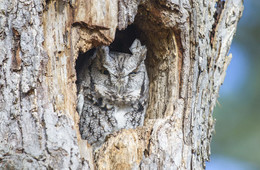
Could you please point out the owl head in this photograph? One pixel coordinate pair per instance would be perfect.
(120, 78)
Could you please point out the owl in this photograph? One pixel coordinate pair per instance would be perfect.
(113, 92)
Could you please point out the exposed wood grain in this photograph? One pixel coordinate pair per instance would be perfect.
(187, 42)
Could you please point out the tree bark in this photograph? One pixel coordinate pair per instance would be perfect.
(187, 42)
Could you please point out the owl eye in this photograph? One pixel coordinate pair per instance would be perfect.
(105, 72)
(133, 73)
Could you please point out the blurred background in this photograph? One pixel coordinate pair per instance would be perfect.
(236, 142)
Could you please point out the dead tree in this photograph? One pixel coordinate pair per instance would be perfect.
(41, 40)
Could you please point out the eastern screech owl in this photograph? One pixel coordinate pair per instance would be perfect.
(113, 92)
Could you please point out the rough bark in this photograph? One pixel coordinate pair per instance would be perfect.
(187, 42)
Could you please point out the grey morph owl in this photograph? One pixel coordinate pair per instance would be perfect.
(113, 92)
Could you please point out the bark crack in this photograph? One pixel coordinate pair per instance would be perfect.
(219, 8)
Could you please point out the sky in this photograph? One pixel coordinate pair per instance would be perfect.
(236, 142)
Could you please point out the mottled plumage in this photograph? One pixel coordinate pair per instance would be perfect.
(113, 91)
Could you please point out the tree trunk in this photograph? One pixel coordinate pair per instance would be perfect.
(187, 42)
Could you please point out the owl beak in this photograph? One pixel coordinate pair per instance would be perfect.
(121, 85)
(120, 90)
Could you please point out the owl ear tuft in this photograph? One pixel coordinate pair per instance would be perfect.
(103, 55)
(138, 50)
(102, 51)
(136, 45)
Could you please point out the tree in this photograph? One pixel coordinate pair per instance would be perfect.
(187, 42)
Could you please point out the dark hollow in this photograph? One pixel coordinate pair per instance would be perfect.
(122, 43)
(124, 39)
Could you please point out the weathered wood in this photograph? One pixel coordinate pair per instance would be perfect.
(95, 23)
(187, 42)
